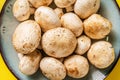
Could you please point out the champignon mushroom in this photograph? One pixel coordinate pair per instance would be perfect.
(21, 10)
(76, 26)
(52, 68)
(26, 37)
(29, 63)
(97, 27)
(101, 54)
(64, 3)
(38, 3)
(77, 66)
(83, 45)
(58, 42)
(32, 9)
(85, 8)
(70, 8)
(47, 18)
(59, 12)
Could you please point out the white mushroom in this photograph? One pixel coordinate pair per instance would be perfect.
(76, 26)
(38, 3)
(26, 37)
(77, 66)
(64, 3)
(29, 63)
(21, 10)
(70, 8)
(32, 9)
(97, 27)
(59, 12)
(101, 54)
(83, 45)
(47, 18)
(85, 8)
(52, 68)
(59, 42)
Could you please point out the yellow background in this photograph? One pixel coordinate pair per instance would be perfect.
(5, 74)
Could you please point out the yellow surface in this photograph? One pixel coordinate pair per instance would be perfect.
(5, 74)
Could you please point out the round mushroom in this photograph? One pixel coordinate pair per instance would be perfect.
(101, 54)
(21, 10)
(47, 18)
(83, 45)
(76, 26)
(59, 42)
(26, 37)
(29, 63)
(64, 3)
(52, 68)
(59, 12)
(85, 8)
(38, 3)
(77, 66)
(97, 27)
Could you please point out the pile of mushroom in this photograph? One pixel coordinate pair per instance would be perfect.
(65, 33)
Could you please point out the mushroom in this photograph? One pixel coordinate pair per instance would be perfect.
(59, 12)
(83, 45)
(70, 8)
(21, 10)
(26, 37)
(101, 54)
(64, 3)
(76, 26)
(85, 8)
(77, 66)
(38, 3)
(52, 68)
(58, 42)
(32, 9)
(47, 18)
(29, 63)
(97, 27)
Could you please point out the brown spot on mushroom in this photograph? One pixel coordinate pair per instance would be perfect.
(74, 70)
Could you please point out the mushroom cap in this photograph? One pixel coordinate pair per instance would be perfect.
(101, 54)
(29, 63)
(85, 8)
(21, 10)
(77, 66)
(76, 26)
(52, 68)
(83, 45)
(59, 42)
(47, 18)
(26, 37)
(38, 3)
(97, 27)
(64, 3)
(59, 12)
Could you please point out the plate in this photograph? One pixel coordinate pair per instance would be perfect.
(8, 24)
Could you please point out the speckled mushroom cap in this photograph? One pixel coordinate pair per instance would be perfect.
(97, 27)
(21, 10)
(64, 3)
(59, 42)
(101, 54)
(77, 66)
(29, 63)
(26, 37)
(52, 68)
(38, 3)
(47, 18)
(85, 8)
